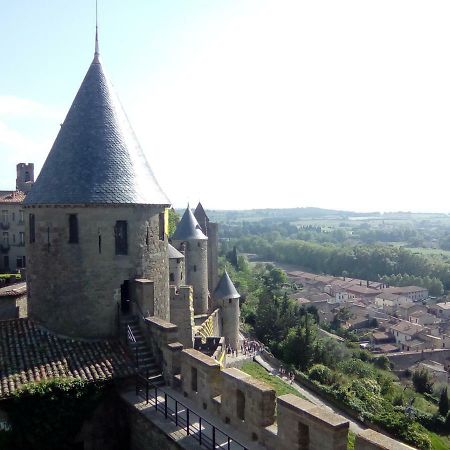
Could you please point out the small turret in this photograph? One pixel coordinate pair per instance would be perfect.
(189, 238)
(25, 177)
(226, 297)
(176, 267)
(211, 230)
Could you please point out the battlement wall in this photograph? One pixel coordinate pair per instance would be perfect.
(251, 407)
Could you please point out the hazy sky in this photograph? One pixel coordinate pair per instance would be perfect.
(247, 104)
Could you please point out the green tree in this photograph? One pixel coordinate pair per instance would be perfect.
(174, 218)
(422, 381)
(443, 402)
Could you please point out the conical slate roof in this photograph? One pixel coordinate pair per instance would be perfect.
(188, 228)
(201, 217)
(96, 158)
(173, 252)
(225, 288)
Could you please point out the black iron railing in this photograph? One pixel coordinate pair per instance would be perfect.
(131, 342)
(207, 435)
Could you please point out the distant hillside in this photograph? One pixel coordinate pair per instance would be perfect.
(288, 214)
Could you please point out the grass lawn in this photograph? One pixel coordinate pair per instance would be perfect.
(439, 442)
(11, 275)
(280, 386)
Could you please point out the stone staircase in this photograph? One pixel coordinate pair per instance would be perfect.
(146, 362)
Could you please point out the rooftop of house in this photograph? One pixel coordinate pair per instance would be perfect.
(387, 348)
(389, 296)
(30, 353)
(414, 306)
(12, 196)
(404, 289)
(362, 290)
(408, 328)
(320, 297)
(14, 290)
(415, 343)
(444, 305)
(422, 313)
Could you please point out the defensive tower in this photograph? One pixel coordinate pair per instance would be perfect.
(210, 229)
(25, 177)
(189, 238)
(226, 297)
(96, 217)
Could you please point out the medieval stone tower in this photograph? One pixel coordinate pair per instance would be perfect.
(226, 297)
(96, 219)
(211, 230)
(189, 238)
(25, 177)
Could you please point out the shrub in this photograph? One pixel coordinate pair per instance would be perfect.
(382, 362)
(358, 368)
(322, 374)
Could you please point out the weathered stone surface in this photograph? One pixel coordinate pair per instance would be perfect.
(79, 295)
(196, 270)
(371, 440)
(302, 425)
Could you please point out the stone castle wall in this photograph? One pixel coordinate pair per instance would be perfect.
(74, 288)
(249, 406)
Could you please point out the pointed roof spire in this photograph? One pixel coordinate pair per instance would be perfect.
(96, 158)
(202, 218)
(188, 228)
(97, 52)
(225, 288)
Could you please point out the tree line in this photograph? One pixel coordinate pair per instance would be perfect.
(360, 261)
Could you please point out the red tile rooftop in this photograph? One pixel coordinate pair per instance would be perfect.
(12, 196)
(29, 353)
(14, 290)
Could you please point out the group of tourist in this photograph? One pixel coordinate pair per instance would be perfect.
(251, 348)
(283, 373)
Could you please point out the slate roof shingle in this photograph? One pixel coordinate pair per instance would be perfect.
(96, 158)
(30, 353)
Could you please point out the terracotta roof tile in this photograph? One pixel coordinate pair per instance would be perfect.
(30, 353)
(12, 196)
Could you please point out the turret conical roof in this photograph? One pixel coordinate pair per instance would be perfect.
(173, 252)
(188, 228)
(202, 218)
(225, 288)
(96, 158)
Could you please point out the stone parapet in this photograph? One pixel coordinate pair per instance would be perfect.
(371, 440)
(309, 425)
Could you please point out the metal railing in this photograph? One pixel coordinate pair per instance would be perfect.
(207, 435)
(131, 342)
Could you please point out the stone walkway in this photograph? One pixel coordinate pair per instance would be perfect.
(207, 423)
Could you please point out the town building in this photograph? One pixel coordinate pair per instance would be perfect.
(12, 221)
